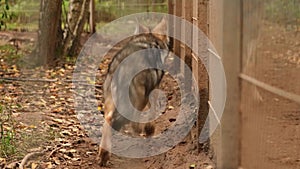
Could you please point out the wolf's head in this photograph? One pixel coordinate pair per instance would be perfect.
(159, 31)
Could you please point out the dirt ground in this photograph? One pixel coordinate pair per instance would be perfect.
(49, 135)
(47, 131)
(270, 123)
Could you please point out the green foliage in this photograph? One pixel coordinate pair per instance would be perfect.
(65, 9)
(23, 14)
(8, 49)
(70, 59)
(283, 11)
(7, 142)
(10, 53)
(5, 13)
(108, 10)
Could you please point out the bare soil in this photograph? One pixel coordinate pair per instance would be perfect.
(48, 133)
(45, 121)
(270, 123)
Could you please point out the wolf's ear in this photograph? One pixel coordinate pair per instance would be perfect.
(160, 30)
(141, 29)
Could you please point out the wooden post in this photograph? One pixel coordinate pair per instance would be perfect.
(215, 33)
(171, 11)
(182, 35)
(177, 31)
(188, 9)
(196, 13)
(201, 14)
(195, 65)
(230, 123)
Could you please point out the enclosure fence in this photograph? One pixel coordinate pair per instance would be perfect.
(259, 45)
(270, 94)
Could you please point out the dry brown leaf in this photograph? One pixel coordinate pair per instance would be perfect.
(58, 120)
(63, 150)
(56, 160)
(34, 165)
(2, 162)
(66, 133)
(75, 159)
(49, 165)
(67, 157)
(72, 151)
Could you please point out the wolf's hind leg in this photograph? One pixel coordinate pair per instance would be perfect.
(105, 145)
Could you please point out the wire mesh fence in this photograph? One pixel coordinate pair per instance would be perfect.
(270, 78)
(270, 67)
(25, 14)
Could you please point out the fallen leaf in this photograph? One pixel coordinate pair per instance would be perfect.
(67, 157)
(2, 162)
(63, 150)
(67, 144)
(34, 165)
(58, 120)
(56, 160)
(49, 165)
(75, 159)
(66, 133)
(73, 151)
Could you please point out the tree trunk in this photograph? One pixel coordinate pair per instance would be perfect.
(92, 17)
(50, 33)
(77, 17)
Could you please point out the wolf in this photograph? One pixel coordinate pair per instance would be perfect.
(141, 85)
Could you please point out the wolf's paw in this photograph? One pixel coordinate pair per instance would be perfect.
(103, 157)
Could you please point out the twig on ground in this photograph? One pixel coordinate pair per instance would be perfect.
(12, 165)
(28, 80)
(77, 82)
(28, 156)
(56, 149)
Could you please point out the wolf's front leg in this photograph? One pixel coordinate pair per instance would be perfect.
(105, 145)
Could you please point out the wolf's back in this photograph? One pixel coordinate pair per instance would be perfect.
(143, 52)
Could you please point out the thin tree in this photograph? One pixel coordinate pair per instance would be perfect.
(53, 41)
(92, 17)
(50, 37)
(77, 17)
